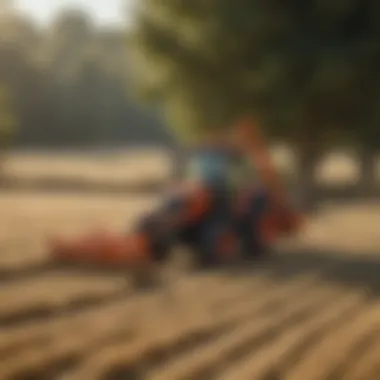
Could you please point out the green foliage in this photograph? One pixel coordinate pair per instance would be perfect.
(69, 83)
(296, 65)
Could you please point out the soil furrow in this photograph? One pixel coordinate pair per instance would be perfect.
(69, 330)
(260, 365)
(34, 333)
(213, 359)
(333, 349)
(365, 365)
(158, 340)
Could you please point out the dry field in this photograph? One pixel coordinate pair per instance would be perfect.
(98, 167)
(131, 166)
(311, 312)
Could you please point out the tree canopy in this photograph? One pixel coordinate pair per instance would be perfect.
(301, 67)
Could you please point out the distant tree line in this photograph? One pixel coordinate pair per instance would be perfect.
(307, 71)
(68, 84)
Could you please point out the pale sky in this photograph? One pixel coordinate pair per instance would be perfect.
(103, 11)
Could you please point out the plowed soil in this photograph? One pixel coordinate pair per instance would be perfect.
(310, 312)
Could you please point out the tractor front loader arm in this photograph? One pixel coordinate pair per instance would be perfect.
(257, 149)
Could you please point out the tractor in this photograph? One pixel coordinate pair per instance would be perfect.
(229, 206)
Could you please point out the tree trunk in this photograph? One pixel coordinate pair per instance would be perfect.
(307, 157)
(367, 174)
(3, 159)
(179, 159)
(2, 168)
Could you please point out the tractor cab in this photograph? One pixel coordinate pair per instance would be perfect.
(220, 168)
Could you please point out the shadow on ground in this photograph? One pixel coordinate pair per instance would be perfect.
(354, 270)
(357, 270)
(333, 192)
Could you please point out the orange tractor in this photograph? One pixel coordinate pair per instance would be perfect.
(221, 219)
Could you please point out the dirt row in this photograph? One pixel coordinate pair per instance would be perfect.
(296, 316)
(245, 326)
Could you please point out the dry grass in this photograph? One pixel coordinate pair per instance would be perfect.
(304, 315)
(111, 167)
(131, 166)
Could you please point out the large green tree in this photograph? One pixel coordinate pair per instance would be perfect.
(306, 70)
